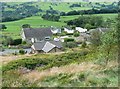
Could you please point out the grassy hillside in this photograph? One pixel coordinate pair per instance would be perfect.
(78, 68)
(14, 28)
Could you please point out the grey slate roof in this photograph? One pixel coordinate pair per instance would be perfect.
(37, 32)
(46, 46)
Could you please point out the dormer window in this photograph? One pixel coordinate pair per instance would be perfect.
(47, 38)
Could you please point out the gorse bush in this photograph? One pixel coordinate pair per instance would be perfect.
(70, 44)
(59, 60)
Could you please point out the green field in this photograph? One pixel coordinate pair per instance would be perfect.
(62, 6)
(58, 6)
(14, 27)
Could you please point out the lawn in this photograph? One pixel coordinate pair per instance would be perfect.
(14, 27)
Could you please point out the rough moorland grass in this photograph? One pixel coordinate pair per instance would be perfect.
(106, 78)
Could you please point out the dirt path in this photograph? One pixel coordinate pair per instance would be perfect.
(73, 68)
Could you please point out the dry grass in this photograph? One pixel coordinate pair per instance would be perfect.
(73, 68)
(7, 59)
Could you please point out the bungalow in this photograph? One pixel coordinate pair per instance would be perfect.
(68, 30)
(81, 30)
(46, 47)
(36, 34)
(56, 30)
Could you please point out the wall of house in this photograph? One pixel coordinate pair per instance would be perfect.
(23, 36)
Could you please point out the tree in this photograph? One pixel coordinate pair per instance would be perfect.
(3, 26)
(88, 26)
(84, 44)
(95, 38)
(76, 34)
(8, 41)
(26, 26)
(108, 40)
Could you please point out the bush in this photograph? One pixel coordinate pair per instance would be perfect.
(69, 40)
(26, 26)
(17, 41)
(7, 41)
(76, 34)
(84, 44)
(21, 51)
(70, 44)
(24, 42)
(57, 60)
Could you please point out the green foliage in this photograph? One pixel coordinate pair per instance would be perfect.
(82, 79)
(17, 41)
(21, 51)
(70, 44)
(96, 38)
(89, 26)
(84, 44)
(7, 41)
(76, 34)
(24, 42)
(69, 40)
(51, 17)
(26, 26)
(58, 60)
(109, 40)
(2, 27)
(83, 21)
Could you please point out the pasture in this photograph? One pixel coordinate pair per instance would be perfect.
(14, 27)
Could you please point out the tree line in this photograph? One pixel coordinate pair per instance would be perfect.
(88, 22)
(51, 17)
(91, 11)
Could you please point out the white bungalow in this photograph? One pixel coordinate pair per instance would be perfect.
(68, 30)
(81, 30)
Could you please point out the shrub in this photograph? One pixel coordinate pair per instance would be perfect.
(21, 51)
(84, 44)
(70, 44)
(69, 40)
(76, 34)
(7, 41)
(26, 26)
(17, 41)
(24, 42)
